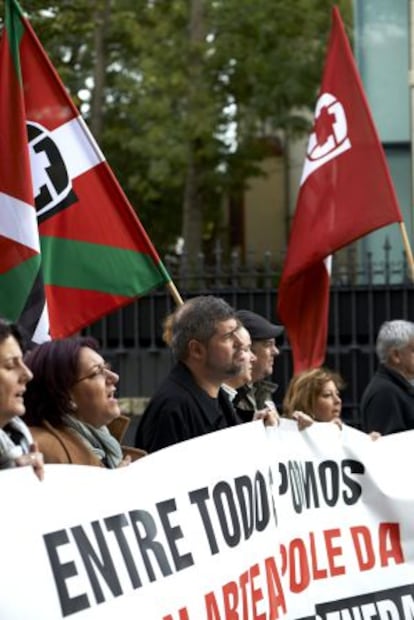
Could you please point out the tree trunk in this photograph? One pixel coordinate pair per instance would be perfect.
(101, 16)
(192, 214)
(192, 230)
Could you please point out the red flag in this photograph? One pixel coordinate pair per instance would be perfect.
(19, 237)
(94, 255)
(346, 192)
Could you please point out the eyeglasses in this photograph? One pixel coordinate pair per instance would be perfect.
(100, 370)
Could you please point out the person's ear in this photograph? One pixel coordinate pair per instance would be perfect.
(196, 349)
(71, 403)
(394, 357)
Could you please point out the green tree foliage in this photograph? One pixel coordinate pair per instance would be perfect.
(189, 93)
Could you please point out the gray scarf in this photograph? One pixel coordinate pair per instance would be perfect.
(15, 440)
(98, 440)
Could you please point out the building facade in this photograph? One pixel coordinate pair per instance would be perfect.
(382, 50)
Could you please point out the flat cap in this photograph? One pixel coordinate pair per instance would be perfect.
(258, 327)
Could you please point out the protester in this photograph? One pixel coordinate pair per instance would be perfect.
(247, 357)
(17, 447)
(70, 403)
(259, 392)
(244, 378)
(203, 336)
(190, 402)
(387, 404)
(315, 396)
(316, 393)
(167, 327)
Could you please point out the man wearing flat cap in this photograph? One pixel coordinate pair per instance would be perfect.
(257, 395)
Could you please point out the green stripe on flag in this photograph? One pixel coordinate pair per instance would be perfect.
(15, 30)
(15, 285)
(73, 264)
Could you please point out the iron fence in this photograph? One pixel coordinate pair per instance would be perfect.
(364, 293)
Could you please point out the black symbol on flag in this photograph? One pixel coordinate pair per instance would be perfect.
(51, 181)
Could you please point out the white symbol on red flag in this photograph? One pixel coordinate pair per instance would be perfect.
(329, 137)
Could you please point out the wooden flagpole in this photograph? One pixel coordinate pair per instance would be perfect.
(408, 251)
(174, 293)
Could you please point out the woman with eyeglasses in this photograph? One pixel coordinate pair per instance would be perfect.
(70, 403)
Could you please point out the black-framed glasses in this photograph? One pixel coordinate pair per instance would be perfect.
(100, 370)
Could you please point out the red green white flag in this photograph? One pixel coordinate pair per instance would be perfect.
(72, 248)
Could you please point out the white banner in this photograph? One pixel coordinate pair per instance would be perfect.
(243, 524)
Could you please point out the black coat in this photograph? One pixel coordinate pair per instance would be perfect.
(181, 410)
(387, 404)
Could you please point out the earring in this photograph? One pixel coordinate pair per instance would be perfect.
(73, 406)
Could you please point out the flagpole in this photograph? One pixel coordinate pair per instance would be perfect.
(174, 293)
(407, 248)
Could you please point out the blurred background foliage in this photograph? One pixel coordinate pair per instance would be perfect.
(183, 96)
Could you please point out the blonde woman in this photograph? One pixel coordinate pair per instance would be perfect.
(316, 393)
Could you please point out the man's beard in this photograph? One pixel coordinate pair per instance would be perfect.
(232, 370)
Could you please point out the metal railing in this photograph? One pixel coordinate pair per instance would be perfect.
(364, 293)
